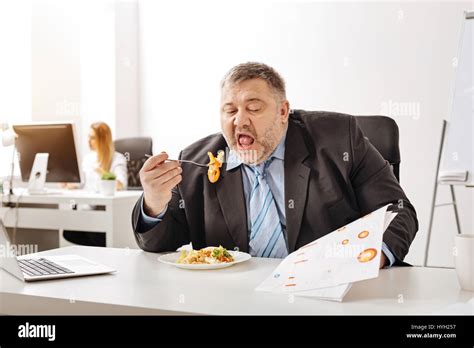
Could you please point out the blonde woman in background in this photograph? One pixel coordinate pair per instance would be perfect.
(102, 159)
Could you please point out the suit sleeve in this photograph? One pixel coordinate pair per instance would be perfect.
(375, 185)
(167, 234)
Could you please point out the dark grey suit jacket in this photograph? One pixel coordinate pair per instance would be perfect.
(333, 176)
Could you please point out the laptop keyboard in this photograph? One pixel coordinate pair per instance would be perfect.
(42, 267)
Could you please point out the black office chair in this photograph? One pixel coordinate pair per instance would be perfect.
(382, 132)
(134, 150)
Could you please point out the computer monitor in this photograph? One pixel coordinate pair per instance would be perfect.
(56, 139)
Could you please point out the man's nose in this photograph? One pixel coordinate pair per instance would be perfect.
(241, 119)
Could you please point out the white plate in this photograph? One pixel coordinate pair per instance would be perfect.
(170, 259)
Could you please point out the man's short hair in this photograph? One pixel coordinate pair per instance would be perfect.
(254, 70)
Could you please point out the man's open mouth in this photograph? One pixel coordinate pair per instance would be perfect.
(244, 140)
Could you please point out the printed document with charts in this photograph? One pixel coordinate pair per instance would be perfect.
(327, 267)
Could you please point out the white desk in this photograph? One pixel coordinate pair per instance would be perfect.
(48, 212)
(142, 285)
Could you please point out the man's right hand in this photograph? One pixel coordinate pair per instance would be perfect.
(158, 179)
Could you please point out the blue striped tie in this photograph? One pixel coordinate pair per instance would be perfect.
(266, 233)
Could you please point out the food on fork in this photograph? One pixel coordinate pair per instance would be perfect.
(215, 163)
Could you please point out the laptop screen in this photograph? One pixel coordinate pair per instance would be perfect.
(8, 259)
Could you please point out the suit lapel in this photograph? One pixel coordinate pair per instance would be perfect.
(296, 181)
(230, 193)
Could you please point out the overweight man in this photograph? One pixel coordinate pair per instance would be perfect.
(289, 177)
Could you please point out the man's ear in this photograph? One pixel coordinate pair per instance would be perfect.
(284, 111)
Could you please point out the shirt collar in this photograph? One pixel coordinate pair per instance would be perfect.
(233, 160)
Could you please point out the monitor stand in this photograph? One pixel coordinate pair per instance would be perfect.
(38, 175)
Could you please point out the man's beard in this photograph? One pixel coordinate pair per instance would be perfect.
(266, 144)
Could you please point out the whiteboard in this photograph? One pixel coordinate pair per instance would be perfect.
(458, 148)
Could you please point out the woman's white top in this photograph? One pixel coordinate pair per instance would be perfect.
(90, 163)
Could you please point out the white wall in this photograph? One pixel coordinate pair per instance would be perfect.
(73, 63)
(55, 58)
(126, 69)
(91, 49)
(97, 65)
(15, 70)
(358, 58)
(61, 64)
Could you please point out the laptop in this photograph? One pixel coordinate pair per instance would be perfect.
(33, 268)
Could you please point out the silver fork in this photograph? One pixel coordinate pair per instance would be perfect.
(184, 161)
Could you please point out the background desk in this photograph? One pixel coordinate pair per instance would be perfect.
(142, 285)
(45, 212)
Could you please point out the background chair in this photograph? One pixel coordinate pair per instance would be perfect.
(134, 149)
(382, 132)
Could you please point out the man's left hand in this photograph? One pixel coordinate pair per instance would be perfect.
(383, 260)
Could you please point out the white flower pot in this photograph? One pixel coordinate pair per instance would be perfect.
(107, 187)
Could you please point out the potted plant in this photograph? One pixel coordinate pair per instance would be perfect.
(107, 184)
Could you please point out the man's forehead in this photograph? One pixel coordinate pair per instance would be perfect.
(251, 90)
